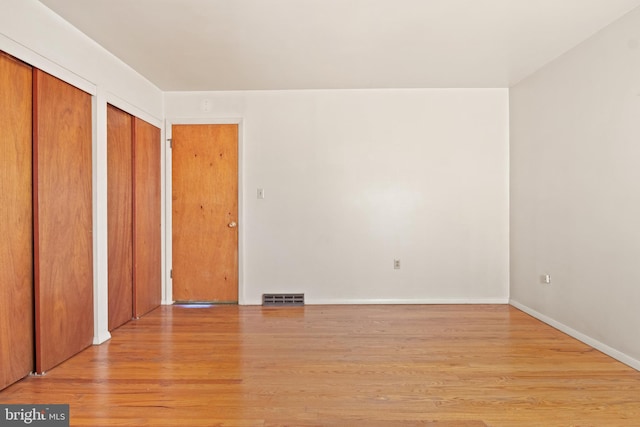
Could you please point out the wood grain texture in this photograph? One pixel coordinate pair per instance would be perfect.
(63, 249)
(120, 215)
(204, 203)
(147, 286)
(340, 366)
(16, 222)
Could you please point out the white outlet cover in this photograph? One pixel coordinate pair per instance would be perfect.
(205, 105)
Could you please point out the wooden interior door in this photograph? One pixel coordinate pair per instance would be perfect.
(205, 212)
(120, 215)
(147, 284)
(63, 248)
(16, 224)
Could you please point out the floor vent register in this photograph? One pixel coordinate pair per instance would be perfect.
(273, 300)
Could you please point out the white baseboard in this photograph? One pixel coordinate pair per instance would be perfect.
(400, 301)
(413, 301)
(101, 337)
(618, 355)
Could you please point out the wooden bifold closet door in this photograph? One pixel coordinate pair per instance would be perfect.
(16, 222)
(147, 290)
(63, 242)
(120, 215)
(134, 235)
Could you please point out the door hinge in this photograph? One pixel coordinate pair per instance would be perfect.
(170, 141)
(171, 274)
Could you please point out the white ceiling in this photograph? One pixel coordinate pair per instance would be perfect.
(185, 45)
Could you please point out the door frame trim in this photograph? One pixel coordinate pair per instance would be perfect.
(167, 255)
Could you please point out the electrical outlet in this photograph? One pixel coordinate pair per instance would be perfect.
(260, 193)
(396, 264)
(205, 105)
(545, 279)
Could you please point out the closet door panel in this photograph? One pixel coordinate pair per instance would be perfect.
(16, 225)
(147, 291)
(62, 220)
(120, 215)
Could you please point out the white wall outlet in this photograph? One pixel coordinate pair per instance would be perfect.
(205, 106)
(545, 279)
(396, 264)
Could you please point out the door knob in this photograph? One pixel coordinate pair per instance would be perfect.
(232, 224)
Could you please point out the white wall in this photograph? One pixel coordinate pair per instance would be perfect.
(354, 179)
(34, 34)
(575, 191)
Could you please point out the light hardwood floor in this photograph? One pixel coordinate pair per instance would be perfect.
(339, 366)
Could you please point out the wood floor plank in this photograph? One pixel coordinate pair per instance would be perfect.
(392, 366)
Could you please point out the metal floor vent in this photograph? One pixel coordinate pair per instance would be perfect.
(282, 299)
